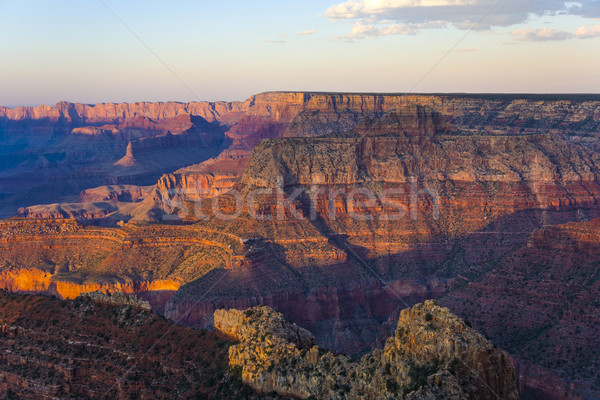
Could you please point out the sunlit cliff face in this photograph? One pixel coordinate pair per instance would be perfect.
(36, 281)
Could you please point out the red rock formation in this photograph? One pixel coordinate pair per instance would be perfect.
(67, 259)
(493, 190)
(480, 219)
(262, 116)
(518, 111)
(123, 193)
(80, 211)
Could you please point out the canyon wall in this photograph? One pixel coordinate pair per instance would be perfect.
(38, 146)
(67, 259)
(540, 301)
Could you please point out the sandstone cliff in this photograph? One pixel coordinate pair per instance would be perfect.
(312, 113)
(492, 191)
(432, 355)
(458, 200)
(118, 193)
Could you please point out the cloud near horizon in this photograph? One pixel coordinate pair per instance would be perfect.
(376, 17)
(362, 29)
(306, 33)
(540, 35)
(585, 32)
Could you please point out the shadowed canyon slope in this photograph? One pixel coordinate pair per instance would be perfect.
(542, 302)
(83, 349)
(342, 231)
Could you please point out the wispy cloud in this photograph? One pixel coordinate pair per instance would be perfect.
(306, 33)
(540, 35)
(362, 29)
(585, 32)
(281, 38)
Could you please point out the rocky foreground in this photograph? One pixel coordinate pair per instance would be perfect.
(108, 347)
(84, 349)
(432, 355)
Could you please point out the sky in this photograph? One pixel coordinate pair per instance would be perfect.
(95, 51)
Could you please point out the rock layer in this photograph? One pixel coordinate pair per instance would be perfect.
(38, 145)
(66, 259)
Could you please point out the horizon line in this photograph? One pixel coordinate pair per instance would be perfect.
(545, 96)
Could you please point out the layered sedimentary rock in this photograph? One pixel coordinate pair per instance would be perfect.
(54, 349)
(38, 143)
(540, 302)
(109, 204)
(82, 211)
(66, 259)
(432, 354)
(177, 193)
(338, 112)
(48, 167)
(118, 193)
(402, 199)
(457, 199)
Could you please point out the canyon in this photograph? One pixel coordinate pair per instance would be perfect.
(51, 153)
(354, 207)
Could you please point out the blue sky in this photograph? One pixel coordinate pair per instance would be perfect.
(52, 50)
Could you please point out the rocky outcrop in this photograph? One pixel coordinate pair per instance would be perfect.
(118, 299)
(433, 354)
(253, 323)
(128, 159)
(115, 193)
(79, 211)
(176, 194)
